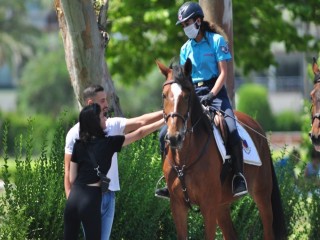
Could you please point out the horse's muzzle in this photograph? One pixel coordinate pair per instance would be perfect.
(174, 140)
(315, 139)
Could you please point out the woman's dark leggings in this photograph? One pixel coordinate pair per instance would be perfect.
(83, 206)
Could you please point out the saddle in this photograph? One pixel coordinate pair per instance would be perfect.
(218, 120)
(219, 126)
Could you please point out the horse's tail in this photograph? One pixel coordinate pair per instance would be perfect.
(279, 225)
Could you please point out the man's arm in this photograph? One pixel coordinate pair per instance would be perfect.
(137, 122)
(67, 185)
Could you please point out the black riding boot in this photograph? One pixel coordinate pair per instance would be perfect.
(162, 192)
(239, 183)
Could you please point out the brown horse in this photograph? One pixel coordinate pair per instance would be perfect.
(315, 109)
(192, 164)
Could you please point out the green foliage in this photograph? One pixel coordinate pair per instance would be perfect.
(43, 128)
(141, 31)
(253, 100)
(287, 121)
(261, 24)
(32, 206)
(17, 36)
(45, 87)
(145, 30)
(139, 215)
(144, 96)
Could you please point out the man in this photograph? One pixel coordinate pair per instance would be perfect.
(115, 126)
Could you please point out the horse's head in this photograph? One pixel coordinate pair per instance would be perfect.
(178, 98)
(315, 109)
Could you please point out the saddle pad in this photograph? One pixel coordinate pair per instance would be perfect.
(250, 153)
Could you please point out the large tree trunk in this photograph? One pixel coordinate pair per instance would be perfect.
(85, 48)
(220, 12)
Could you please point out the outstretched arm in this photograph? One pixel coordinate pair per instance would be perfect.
(137, 122)
(142, 132)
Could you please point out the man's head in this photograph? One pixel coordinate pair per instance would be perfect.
(96, 94)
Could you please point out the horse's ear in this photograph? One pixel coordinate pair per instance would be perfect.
(164, 70)
(187, 67)
(315, 67)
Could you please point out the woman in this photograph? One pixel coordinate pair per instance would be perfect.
(90, 161)
(208, 51)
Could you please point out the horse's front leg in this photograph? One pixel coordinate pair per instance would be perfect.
(209, 215)
(225, 222)
(180, 213)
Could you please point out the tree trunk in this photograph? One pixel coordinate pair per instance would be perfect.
(85, 49)
(220, 12)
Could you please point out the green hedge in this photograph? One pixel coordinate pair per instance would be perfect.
(43, 128)
(32, 206)
(253, 100)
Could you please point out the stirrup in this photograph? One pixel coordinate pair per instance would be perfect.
(245, 182)
(157, 191)
(162, 193)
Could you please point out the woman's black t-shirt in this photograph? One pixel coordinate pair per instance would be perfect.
(102, 150)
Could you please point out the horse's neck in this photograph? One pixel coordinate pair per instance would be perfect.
(194, 142)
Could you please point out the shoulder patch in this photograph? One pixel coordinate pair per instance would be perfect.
(225, 49)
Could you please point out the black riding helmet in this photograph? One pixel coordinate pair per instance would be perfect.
(189, 10)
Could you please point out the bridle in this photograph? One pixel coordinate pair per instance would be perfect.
(317, 115)
(181, 169)
(184, 117)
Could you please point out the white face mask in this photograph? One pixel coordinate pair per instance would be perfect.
(191, 31)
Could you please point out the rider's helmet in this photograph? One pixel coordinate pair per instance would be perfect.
(189, 10)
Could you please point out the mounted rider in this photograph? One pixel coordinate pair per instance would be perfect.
(208, 51)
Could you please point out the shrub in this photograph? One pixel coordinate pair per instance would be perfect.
(32, 206)
(140, 215)
(33, 203)
(253, 100)
(43, 128)
(287, 121)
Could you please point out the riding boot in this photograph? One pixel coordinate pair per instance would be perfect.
(239, 183)
(162, 192)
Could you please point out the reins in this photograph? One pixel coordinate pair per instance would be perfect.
(180, 172)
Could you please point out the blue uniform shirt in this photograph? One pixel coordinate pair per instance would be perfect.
(205, 56)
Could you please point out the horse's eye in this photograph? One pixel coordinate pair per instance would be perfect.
(163, 96)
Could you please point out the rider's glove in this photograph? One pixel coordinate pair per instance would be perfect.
(206, 99)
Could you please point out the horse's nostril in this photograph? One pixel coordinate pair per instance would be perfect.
(179, 137)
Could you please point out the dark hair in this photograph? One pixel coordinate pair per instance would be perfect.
(91, 91)
(212, 27)
(89, 120)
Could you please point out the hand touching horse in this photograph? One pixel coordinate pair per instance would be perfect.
(193, 164)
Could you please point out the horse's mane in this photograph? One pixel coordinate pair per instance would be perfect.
(186, 83)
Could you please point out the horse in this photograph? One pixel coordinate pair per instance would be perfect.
(192, 164)
(315, 107)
